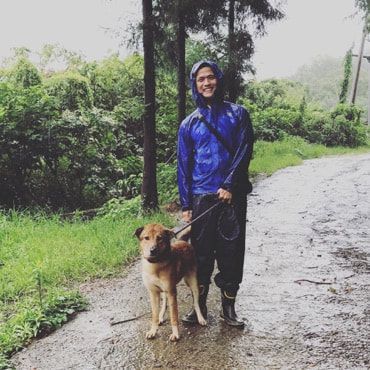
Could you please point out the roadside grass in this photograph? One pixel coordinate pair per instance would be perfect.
(269, 157)
(42, 259)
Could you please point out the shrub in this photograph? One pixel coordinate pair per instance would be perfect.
(71, 90)
(344, 132)
(24, 74)
(314, 123)
(275, 123)
(344, 127)
(167, 182)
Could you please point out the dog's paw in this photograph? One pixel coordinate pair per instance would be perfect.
(162, 320)
(174, 337)
(151, 334)
(202, 321)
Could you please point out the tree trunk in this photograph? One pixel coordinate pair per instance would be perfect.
(181, 84)
(149, 194)
(231, 78)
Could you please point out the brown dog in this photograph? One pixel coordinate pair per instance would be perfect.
(164, 265)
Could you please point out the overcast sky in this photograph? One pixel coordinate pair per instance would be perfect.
(311, 28)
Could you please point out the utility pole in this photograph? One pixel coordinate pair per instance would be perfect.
(367, 57)
(355, 82)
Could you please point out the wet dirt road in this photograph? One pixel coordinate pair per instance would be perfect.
(307, 225)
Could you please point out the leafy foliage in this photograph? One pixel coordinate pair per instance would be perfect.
(113, 81)
(74, 139)
(347, 76)
(33, 320)
(71, 90)
(276, 115)
(24, 74)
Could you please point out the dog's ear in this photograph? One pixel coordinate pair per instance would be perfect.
(138, 232)
(169, 234)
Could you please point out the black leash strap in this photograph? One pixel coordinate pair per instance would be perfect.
(215, 133)
(199, 217)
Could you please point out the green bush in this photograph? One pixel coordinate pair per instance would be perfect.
(71, 90)
(167, 182)
(272, 124)
(113, 80)
(121, 208)
(274, 93)
(167, 123)
(340, 127)
(314, 123)
(24, 137)
(343, 132)
(24, 74)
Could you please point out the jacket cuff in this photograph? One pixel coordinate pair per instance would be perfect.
(226, 187)
(187, 208)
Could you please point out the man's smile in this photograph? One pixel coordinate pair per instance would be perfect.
(206, 82)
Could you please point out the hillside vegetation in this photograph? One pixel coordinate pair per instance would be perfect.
(73, 139)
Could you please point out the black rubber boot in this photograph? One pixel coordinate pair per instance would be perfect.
(228, 310)
(191, 317)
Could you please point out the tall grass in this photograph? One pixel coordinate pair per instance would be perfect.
(269, 157)
(41, 260)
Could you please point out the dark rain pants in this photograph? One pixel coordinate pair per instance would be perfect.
(220, 236)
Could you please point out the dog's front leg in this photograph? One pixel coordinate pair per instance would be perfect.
(174, 315)
(154, 301)
(163, 308)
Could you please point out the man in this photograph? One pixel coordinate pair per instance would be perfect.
(213, 168)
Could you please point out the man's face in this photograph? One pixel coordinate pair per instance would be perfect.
(206, 83)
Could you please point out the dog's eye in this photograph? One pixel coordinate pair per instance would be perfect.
(146, 237)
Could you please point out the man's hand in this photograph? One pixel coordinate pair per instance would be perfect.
(224, 195)
(186, 216)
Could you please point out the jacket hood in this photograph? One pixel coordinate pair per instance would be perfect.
(219, 94)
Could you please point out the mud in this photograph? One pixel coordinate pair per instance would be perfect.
(305, 294)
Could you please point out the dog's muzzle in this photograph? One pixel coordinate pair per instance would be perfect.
(154, 251)
(154, 254)
(157, 254)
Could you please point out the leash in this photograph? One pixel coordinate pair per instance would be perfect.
(199, 217)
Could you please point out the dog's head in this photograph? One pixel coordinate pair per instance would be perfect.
(155, 241)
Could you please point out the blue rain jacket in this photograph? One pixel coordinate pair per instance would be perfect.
(204, 164)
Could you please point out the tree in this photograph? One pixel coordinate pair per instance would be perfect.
(54, 53)
(174, 21)
(149, 188)
(363, 5)
(181, 84)
(24, 73)
(71, 90)
(347, 76)
(239, 40)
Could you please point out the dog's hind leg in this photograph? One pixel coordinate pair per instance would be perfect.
(154, 301)
(163, 308)
(174, 315)
(192, 282)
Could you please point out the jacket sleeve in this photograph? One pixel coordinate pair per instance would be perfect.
(243, 152)
(185, 166)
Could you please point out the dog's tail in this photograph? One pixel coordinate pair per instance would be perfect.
(183, 234)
